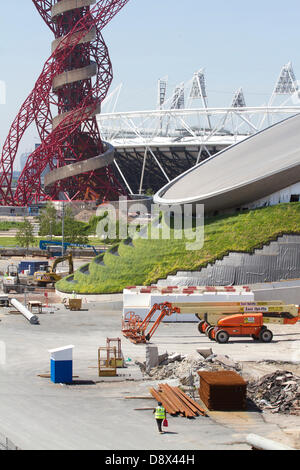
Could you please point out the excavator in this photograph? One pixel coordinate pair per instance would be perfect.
(50, 276)
(218, 320)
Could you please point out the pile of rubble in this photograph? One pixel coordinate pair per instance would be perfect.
(185, 368)
(278, 392)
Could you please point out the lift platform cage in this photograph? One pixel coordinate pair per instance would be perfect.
(119, 361)
(107, 361)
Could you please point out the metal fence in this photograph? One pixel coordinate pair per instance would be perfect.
(7, 444)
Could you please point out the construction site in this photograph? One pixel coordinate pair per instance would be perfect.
(225, 367)
(101, 337)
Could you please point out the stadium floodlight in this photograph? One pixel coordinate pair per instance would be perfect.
(198, 89)
(286, 86)
(286, 83)
(162, 91)
(178, 100)
(198, 92)
(239, 99)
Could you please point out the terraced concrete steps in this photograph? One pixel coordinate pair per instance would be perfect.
(279, 260)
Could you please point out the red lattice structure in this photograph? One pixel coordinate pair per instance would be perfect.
(63, 105)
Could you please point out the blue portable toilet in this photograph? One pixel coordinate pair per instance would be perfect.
(62, 365)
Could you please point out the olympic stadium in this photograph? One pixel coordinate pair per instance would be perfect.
(152, 148)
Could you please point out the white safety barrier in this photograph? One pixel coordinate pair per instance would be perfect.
(140, 299)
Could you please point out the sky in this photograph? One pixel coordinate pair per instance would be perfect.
(237, 43)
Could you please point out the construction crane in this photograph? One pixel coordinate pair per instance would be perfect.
(51, 246)
(232, 317)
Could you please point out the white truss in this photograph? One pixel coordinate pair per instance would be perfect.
(285, 91)
(109, 104)
(239, 99)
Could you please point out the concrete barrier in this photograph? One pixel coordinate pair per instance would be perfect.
(286, 291)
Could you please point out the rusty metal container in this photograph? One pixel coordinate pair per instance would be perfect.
(223, 390)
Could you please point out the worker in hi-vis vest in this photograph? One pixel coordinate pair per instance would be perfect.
(160, 416)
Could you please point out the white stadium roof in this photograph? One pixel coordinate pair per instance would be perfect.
(260, 165)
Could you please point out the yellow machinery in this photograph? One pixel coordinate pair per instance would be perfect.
(210, 313)
(43, 278)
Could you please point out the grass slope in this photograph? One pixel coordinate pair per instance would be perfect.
(145, 261)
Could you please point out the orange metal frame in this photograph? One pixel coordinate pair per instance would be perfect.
(135, 329)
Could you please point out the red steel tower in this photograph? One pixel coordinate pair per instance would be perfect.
(63, 105)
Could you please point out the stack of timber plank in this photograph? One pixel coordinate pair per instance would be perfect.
(223, 390)
(176, 402)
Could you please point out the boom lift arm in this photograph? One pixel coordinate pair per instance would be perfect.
(167, 310)
(135, 329)
(60, 260)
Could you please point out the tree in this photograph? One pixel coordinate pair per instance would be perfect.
(74, 230)
(48, 220)
(24, 236)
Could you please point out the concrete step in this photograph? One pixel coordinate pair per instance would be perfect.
(279, 260)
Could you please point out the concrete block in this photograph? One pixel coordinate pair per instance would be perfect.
(151, 357)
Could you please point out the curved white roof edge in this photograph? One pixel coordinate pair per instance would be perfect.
(201, 198)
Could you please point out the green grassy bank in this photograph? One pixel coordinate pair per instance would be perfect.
(143, 262)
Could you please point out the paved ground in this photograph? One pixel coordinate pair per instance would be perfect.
(36, 414)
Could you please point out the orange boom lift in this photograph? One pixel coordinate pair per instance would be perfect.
(215, 323)
(241, 325)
